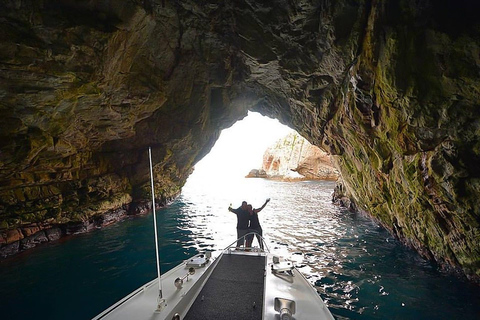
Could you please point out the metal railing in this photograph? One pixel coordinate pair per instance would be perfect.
(262, 248)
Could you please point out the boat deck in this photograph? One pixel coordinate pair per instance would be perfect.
(233, 291)
(233, 285)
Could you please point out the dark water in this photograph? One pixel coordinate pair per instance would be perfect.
(360, 271)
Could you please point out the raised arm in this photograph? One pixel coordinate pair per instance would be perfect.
(261, 208)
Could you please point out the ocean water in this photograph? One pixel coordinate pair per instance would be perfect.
(359, 270)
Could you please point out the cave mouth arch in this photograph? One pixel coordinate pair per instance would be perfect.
(258, 146)
(240, 148)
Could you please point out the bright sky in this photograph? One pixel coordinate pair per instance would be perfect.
(252, 135)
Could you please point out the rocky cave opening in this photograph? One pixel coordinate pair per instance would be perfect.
(389, 88)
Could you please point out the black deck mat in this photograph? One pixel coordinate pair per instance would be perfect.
(234, 287)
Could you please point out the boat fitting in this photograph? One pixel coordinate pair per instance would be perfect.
(285, 307)
(179, 281)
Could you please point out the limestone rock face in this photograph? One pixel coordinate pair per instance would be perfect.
(390, 88)
(294, 158)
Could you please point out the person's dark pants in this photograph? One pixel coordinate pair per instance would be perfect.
(240, 236)
(258, 233)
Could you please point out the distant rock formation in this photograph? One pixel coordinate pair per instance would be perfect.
(257, 173)
(294, 158)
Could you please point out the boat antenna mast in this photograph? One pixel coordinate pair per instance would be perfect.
(160, 300)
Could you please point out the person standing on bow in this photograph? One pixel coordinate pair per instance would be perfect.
(242, 222)
(255, 224)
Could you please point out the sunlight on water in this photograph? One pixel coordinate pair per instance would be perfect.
(360, 271)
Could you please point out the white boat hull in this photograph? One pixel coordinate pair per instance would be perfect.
(285, 290)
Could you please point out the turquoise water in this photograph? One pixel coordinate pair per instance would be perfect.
(360, 271)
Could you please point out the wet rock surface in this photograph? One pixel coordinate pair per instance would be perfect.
(389, 88)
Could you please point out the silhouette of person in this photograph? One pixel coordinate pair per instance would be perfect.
(255, 224)
(242, 222)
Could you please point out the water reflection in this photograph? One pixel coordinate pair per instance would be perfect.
(357, 267)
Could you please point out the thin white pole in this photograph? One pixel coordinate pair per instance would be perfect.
(155, 224)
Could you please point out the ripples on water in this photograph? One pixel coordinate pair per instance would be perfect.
(360, 271)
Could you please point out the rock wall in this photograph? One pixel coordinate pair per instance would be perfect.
(390, 88)
(408, 138)
(87, 86)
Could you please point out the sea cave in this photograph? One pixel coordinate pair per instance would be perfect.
(391, 89)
